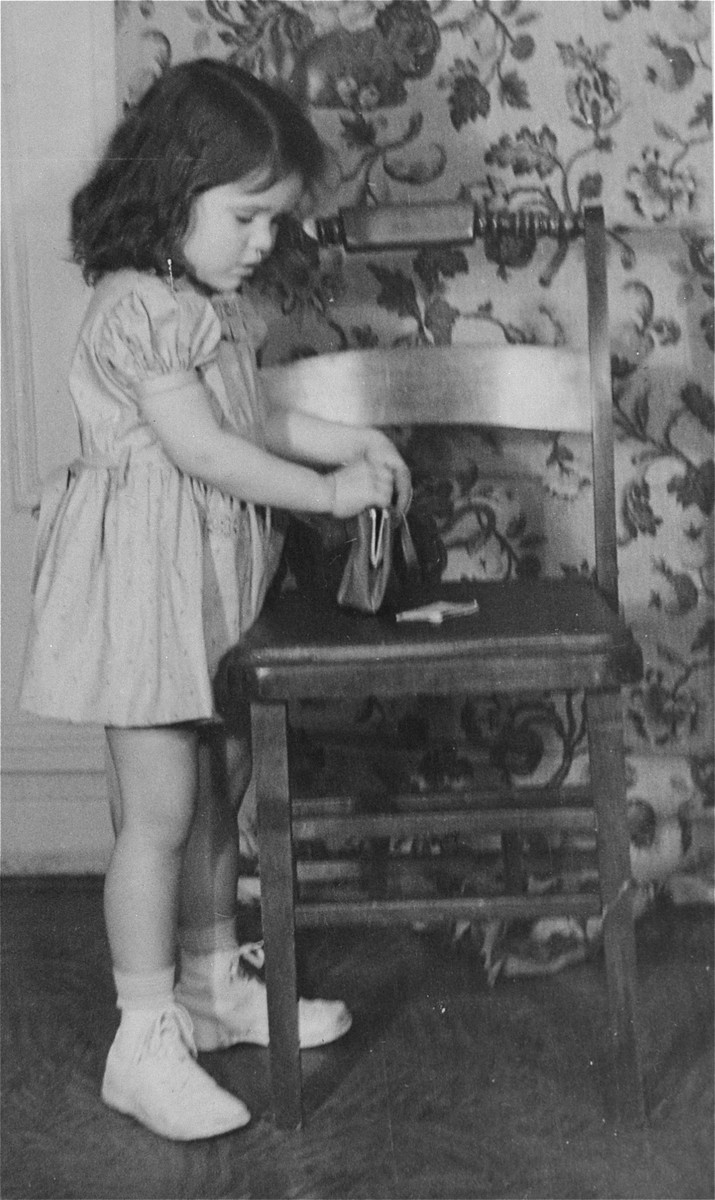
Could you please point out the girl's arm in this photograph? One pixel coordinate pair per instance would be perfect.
(192, 438)
(297, 435)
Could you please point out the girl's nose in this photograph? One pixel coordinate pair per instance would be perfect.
(263, 236)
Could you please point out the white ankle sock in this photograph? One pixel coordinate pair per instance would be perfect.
(211, 969)
(144, 991)
(209, 939)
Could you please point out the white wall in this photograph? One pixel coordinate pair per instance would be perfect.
(58, 105)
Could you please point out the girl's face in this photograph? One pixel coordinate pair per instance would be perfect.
(232, 229)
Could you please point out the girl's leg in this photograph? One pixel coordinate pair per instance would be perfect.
(226, 1002)
(151, 1073)
(207, 914)
(157, 777)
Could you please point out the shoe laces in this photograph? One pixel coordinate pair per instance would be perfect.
(248, 961)
(171, 1035)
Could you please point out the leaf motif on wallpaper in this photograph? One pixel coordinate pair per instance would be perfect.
(478, 534)
(468, 98)
(683, 594)
(526, 152)
(468, 80)
(529, 153)
(700, 256)
(357, 132)
(672, 73)
(671, 506)
(267, 39)
(637, 513)
(433, 264)
(513, 91)
(663, 712)
(565, 474)
(703, 114)
(616, 10)
(705, 638)
(440, 319)
(673, 70)
(634, 340)
(364, 337)
(700, 404)
(696, 486)
(397, 292)
(361, 135)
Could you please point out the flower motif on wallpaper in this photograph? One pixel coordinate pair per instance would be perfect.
(359, 61)
(658, 192)
(616, 10)
(484, 526)
(355, 60)
(634, 339)
(664, 710)
(266, 37)
(421, 297)
(670, 501)
(593, 96)
(698, 270)
(496, 37)
(660, 188)
(592, 93)
(487, 535)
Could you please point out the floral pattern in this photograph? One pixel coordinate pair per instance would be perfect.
(514, 104)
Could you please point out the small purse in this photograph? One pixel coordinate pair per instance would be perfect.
(367, 563)
(382, 567)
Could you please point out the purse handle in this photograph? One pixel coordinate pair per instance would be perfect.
(380, 526)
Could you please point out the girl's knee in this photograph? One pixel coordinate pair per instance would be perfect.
(158, 778)
(163, 821)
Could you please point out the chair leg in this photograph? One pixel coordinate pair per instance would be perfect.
(626, 1103)
(275, 854)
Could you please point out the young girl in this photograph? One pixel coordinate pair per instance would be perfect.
(155, 550)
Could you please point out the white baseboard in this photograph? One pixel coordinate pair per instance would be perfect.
(55, 824)
(30, 745)
(55, 812)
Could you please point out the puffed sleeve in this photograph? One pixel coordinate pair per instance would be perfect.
(150, 340)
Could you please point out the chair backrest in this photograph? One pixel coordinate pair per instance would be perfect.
(513, 387)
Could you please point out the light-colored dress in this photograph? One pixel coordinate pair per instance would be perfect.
(144, 577)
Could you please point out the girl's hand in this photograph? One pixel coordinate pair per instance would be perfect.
(361, 484)
(381, 451)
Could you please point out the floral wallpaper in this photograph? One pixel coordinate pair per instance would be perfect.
(547, 106)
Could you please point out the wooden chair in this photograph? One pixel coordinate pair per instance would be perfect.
(529, 636)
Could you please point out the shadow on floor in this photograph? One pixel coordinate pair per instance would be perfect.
(444, 1088)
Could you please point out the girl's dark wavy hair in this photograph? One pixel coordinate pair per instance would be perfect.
(202, 124)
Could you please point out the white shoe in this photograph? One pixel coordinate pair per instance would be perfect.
(151, 1074)
(228, 1005)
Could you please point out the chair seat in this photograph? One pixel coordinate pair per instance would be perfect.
(535, 634)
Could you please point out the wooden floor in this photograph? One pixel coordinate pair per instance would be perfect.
(443, 1088)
